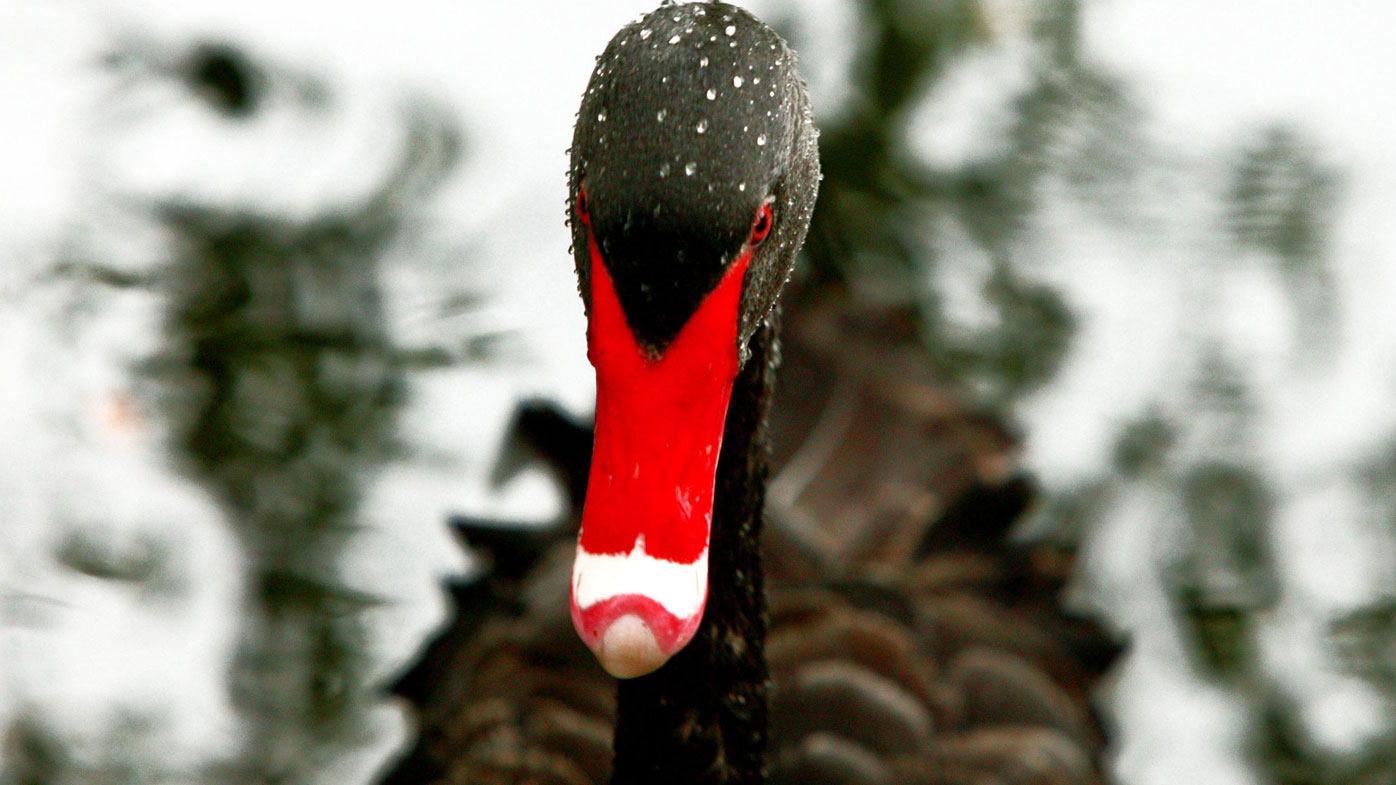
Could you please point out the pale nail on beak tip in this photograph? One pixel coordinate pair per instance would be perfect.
(628, 648)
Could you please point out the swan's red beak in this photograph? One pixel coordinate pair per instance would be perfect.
(641, 575)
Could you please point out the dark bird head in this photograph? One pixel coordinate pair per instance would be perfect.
(694, 173)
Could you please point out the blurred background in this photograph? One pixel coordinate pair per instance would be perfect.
(277, 278)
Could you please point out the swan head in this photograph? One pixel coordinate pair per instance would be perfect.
(694, 169)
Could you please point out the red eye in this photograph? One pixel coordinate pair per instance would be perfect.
(761, 226)
(583, 206)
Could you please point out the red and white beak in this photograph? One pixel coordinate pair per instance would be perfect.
(640, 579)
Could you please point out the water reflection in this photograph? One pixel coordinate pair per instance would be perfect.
(204, 388)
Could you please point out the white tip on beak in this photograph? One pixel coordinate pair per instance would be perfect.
(635, 611)
(629, 649)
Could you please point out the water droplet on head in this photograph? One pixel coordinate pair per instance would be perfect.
(756, 80)
(760, 140)
(741, 187)
(702, 126)
(645, 34)
(664, 170)
(676, 38)
(736, 81)
(661, 114)
(690, 167)
(600, 117)
(731, 30)
(704, 62)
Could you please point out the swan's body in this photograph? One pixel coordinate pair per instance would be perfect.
(939, 644)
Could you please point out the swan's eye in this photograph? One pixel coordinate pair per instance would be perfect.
(583, 206)
(761, 226)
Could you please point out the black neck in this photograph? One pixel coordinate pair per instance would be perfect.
(702, 717)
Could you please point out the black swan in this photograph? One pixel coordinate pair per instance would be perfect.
(694, 172)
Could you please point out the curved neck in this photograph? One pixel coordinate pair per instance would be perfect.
(702, 717)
